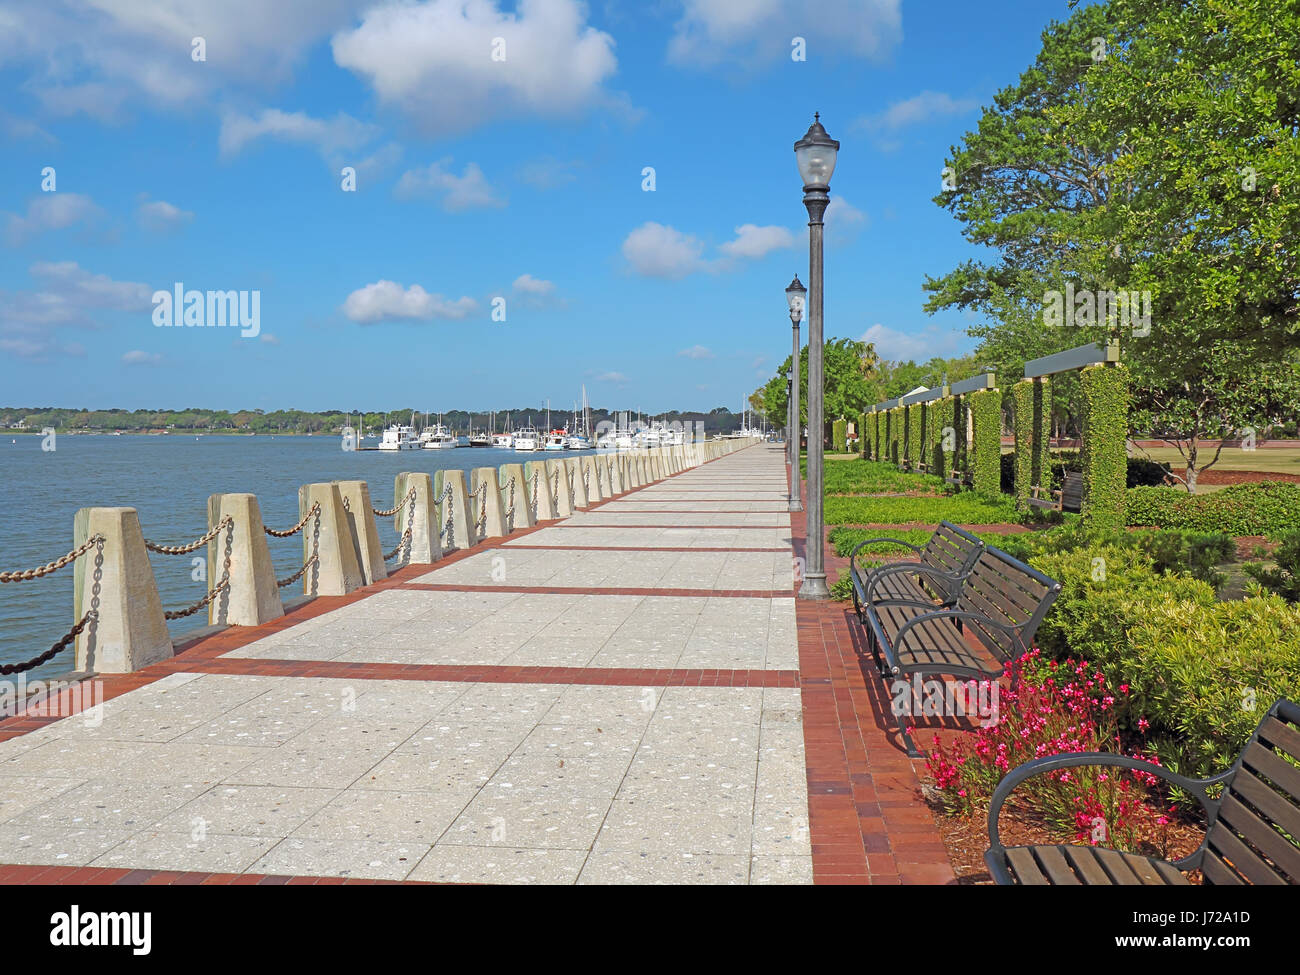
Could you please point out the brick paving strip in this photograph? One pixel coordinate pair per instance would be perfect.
(555, 726)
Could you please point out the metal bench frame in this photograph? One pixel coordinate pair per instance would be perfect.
(1283, 711)
(886, 650)
(864, 582)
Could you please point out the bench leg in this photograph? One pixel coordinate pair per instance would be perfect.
(902, 719)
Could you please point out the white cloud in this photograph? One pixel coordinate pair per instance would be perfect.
(389, 301)
(754, 242)
(469, 191)
(98, 57)
(67, 296)
(657, 251)
(527, 284)
(696, 352)
(161, 216)
(138, 357)
(918, 109)
(611, 377)
(51, 211)
(548, 173)
(843, 221)
(327, 136)
(920, 345)
(433, 60)
(269, 339)
(750, 32)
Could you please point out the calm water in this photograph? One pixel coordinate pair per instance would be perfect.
(168, 480)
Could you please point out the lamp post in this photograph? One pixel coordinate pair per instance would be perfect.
(794, 297)
(815, 155)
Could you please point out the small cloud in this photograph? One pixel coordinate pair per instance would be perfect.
(696, 352)
(529, 285)
(327, 136)
(269, 339)
(548, 173)
(917, 110)
(759, 362)
(919, 345)
(469, 191)
(611, 377)
(754, 242)
(137, 357)
(658, 251)
(389, 301)
(162, 217)
(51, 211)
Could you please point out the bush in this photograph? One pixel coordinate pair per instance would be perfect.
(1103, 591)
(1192, 553)
(1263, 508)
(1205, 673)
(1285, 578)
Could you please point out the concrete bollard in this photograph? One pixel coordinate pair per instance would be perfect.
(611, 474)
(590, 471)
(527, 508)
(580, 484)
(495, 510)
(365, 533)
(462, 533)
(541, 490)
(115, 579)
(426, 548)
(337, 571)
(253, 596)
(562, 485)
(633, 465)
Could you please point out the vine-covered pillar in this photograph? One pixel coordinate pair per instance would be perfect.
(1023, 395)
(863, 447)
(914, 454)
(1041, 459)
(1105, 441)
(946, 432)
(986, 446)
(838, 433)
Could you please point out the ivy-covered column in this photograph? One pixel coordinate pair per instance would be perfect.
(1105, 438)
(986, 450)
(838, 428)
(1022, 398)
(960, 455)
(863, 447)
(896, 435)
(1040, 463)
(914, 454)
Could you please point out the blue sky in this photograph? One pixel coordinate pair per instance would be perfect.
(476, 179)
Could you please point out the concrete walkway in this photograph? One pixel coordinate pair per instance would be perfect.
(611, 698)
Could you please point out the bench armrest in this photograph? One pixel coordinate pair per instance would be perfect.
(899, 568)
(994, 857)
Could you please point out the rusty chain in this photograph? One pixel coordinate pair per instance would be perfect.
(534, 505)
(313, 510)
(54, 651)
(410, 496)
(220, 587)
(315, 546)
(26, 575)
(405, 540)
(194, 545)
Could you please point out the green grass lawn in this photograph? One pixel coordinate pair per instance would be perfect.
(858, 477)
(964, 508)
(1283, 460)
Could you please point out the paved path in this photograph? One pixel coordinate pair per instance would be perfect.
(615, 697)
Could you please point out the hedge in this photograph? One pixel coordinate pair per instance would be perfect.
(1263, 508)
(914, 452)
(1022, 461)
(986, 413)
(1105, 438)
(839, 444)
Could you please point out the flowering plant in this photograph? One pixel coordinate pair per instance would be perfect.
(1057, 708)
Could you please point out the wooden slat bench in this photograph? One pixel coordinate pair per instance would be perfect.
(1252, 833)
(1068, 497)
(959, 478)
(940, 565)
(990, 624)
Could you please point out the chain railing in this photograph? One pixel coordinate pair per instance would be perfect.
(448, 529)
(510, 508)
(313, 511)
(534, 503)
(26, 575)
(405, 540)
(226, 524)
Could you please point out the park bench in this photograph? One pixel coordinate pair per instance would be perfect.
(1069, 497)
(940, 565)
(1252, 829)
(959, 478)
(985, 631)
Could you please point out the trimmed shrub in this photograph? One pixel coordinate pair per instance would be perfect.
(1285, 578)
(839, 442)
(1263, 508)
(986, 412)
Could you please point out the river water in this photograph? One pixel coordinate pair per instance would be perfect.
(168, 480)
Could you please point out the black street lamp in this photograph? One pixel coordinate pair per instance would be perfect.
(815, 154)
(794, 297)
